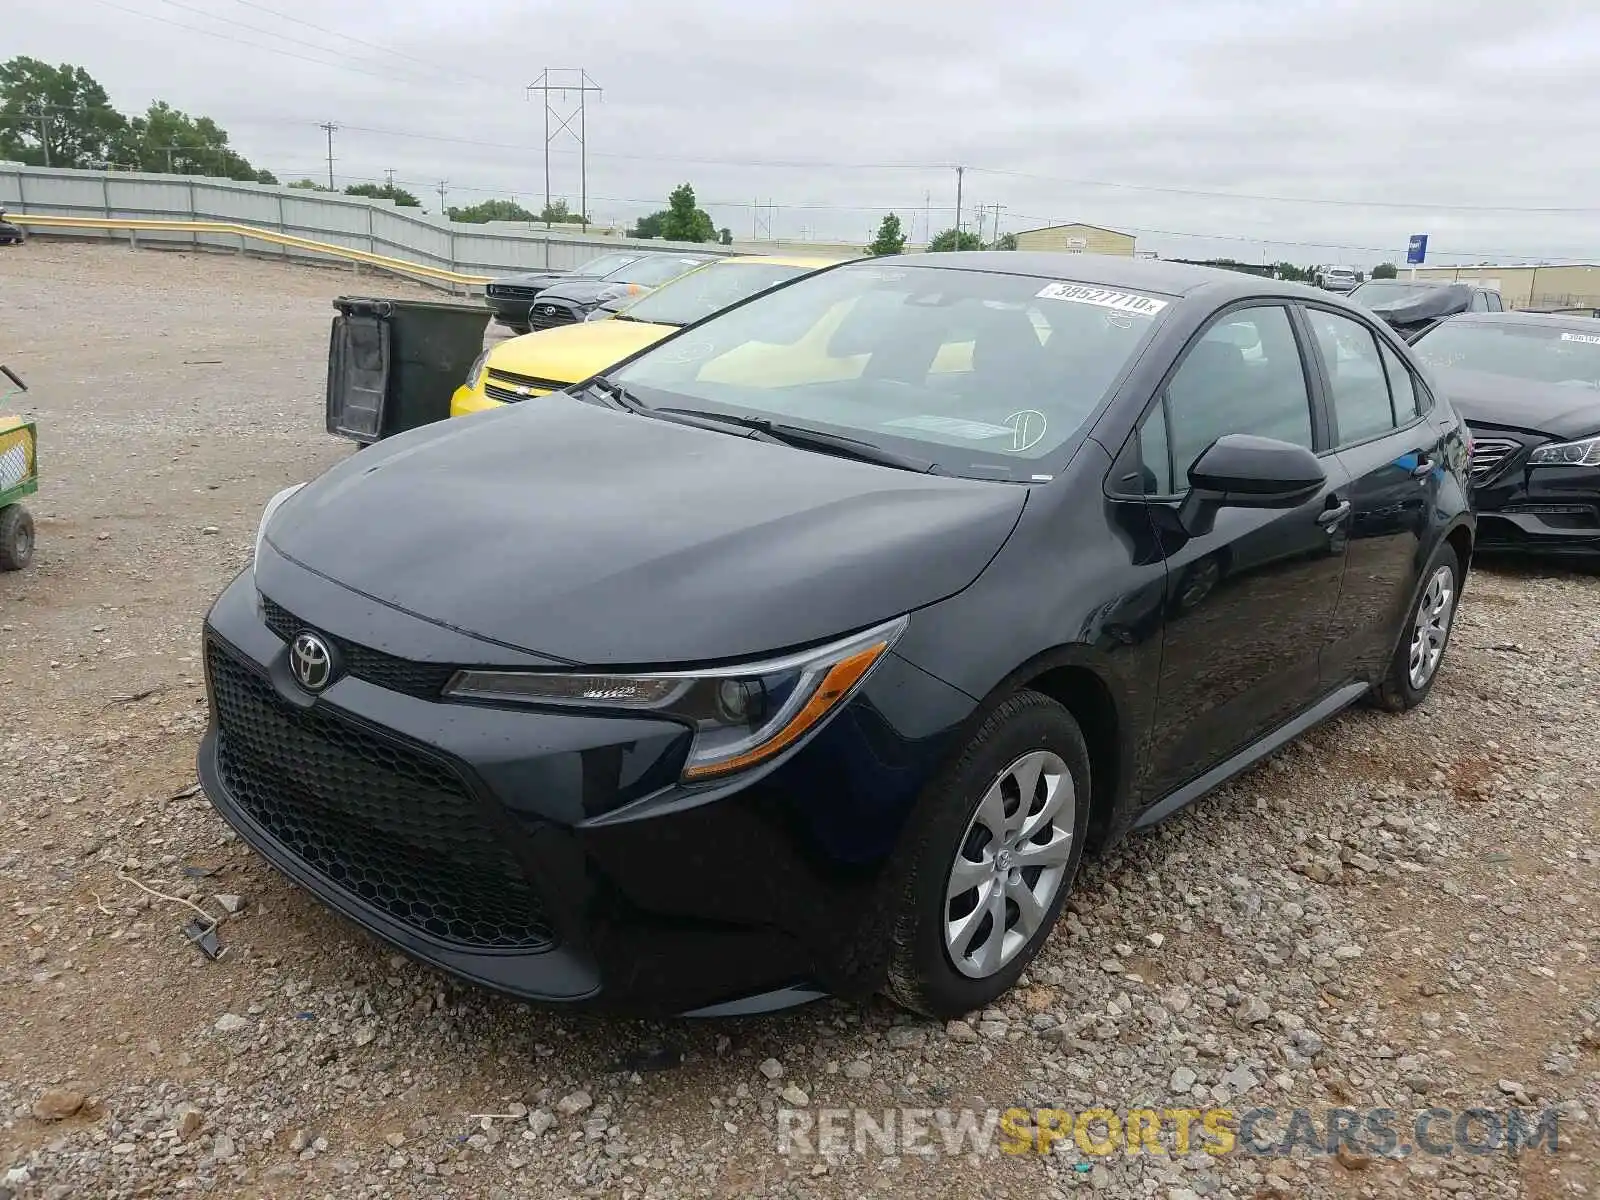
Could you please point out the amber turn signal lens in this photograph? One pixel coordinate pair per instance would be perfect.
(835, 685)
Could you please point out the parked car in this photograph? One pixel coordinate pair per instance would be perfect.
(539, 363)
(1410, 306)
(510, 296)
(1528, 385)
(1338, 279)
(10, 234)
(777, 661)
(572, 300)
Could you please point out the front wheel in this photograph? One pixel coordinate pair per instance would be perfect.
(1416, 661)
(997, 847)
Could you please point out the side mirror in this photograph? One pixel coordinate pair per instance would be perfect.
(1239, 470)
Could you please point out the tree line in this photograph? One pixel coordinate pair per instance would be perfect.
(62, 117)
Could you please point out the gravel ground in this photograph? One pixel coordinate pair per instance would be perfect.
(1396, 911)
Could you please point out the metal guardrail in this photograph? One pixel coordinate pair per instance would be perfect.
(133, 225)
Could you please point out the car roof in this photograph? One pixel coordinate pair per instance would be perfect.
(1522, 317)
(784, 260)
(1113, 271)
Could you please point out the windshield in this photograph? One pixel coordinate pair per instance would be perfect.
(1385, 291)
(703, 292)
(983, 374)
(604, 264)
(1538, 353)
(654, 269)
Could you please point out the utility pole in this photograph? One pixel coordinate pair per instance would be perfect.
(560, 81)
(330, 126)
(444, 189)
(995, 241)
(44, 130)
(960, 171)
(927, 216)
(388, 178)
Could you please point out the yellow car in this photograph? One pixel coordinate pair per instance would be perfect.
(537, 364)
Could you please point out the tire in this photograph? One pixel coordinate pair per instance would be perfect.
(1400, 689)
(923, 973)
(16, 538)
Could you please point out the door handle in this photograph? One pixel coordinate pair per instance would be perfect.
(1329, 517)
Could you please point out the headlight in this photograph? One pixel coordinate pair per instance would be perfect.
(266, 514)
(1568, 454)
(740, 715)
(475, 371)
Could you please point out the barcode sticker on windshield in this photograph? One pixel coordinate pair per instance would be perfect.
(1592, 339)
(1128, 302)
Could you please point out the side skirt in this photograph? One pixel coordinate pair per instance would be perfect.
(1252, 754)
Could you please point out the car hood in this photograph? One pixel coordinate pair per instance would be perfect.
(571, 353)
(1556, 410)
(538, 279)
(578, 291)
(596, 536)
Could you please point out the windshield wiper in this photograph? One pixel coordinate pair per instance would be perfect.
(617, 395)
(620, 397)
(816, 439)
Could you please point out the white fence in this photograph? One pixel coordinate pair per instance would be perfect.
(361, 223)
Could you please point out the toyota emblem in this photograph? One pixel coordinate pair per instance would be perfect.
(548, 310)
(311, 662)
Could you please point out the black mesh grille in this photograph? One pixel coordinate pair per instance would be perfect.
(376, 818)
(512, 378)
(426, 681)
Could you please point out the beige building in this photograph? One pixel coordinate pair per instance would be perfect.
(1077, 239)
(1564, 286)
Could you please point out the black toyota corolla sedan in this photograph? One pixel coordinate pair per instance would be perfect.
(1528, 385)
(808, 650)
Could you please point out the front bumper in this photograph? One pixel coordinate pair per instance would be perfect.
(555, 856)
(464, 401)
(1552, 510)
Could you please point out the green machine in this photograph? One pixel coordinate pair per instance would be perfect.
(19, 477)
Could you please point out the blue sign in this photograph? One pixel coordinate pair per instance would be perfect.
(1417, 250)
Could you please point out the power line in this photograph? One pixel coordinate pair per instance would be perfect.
(228, 37)
(349, 37)
(1328, 201)
(256, 29)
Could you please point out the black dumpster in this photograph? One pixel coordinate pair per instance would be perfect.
(393, 364)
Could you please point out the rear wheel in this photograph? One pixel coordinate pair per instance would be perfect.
(998, 846)
(16, 538)
(1416, 660)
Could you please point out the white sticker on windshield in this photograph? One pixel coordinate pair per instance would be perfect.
(952, 427)
(1128, 302)
(1592, 339)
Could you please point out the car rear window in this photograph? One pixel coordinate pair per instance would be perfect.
(1522, 350)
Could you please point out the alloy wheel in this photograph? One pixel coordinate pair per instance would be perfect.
(1434, 614)
(1010, 864)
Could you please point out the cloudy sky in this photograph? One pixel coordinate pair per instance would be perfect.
(1324, 131)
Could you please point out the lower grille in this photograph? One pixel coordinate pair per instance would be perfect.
(374, 817)
(1489, 455)
(425, 681)
(506, 396)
